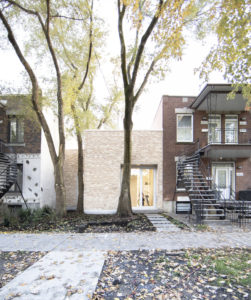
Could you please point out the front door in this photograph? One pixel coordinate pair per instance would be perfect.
(224, 180)
(142, 187)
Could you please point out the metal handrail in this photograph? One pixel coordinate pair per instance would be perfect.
(237, 136)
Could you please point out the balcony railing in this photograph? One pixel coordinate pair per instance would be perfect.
(229, 136)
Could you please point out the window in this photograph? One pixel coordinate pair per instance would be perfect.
(184, 128)
(19, 180)
(214, 129)
(142, 187)
(231, 129)
(16, 130)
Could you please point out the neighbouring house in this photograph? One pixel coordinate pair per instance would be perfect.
(103, 163)
(206, 150)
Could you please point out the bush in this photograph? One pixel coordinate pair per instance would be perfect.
(23, 218)
(24, 215)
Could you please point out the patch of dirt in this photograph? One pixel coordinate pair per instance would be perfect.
(74, 222)
(189, 274)
(13, 263)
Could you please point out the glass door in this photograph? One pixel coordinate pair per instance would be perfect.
(214, 129)
(147, 187)
(231, 129)
(142, 187)
(135, 187)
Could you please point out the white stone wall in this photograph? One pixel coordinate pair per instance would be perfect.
(103, 157)
(48, 196)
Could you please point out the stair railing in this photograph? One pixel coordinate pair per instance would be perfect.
(11, 168)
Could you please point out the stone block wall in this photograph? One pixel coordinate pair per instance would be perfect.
(71, 178)
(103, 159)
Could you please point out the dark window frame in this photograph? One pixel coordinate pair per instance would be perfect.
(19, 139)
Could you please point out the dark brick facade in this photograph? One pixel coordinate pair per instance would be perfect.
(32, 134)
(172, 149)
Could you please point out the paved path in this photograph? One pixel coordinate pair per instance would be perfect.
(74, 261)
(161, 223)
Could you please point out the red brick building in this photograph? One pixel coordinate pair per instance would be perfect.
(217, 128)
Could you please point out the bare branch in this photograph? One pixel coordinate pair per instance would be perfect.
(90, 49)
(28, 11)
(71, 64)
(141, 4)
(67, 17)
(143, 42)
(88, 102)
(102, 121)
(141, 88)
(48, 16)
(133, 56)
(121, 13)
(46, 31)
(5, 7)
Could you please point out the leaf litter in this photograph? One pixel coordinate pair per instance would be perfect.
(73, 222)
(14, 263)
(189, 274)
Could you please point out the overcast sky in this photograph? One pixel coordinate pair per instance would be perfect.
(180, 81)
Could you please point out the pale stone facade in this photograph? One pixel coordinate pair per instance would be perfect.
(71, 178)
(103, 159)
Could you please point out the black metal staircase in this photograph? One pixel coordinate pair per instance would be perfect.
(8, 170)
(8, 173)
(206, 198)
(205, 201)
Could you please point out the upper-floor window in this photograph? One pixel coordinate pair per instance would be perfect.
(214, 129)
(184, 127)
(231, 129)
(16, 130)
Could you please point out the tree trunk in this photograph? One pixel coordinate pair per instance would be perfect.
(124, 206)
(59, 187)
(80, 206)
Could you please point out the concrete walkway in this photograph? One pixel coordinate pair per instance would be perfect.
(72, 267)
(58, 275)
(161, 223)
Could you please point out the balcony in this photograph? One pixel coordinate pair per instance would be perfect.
(214, 97)
(228, 143)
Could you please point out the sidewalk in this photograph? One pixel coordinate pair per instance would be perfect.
(73, 265)
(122, 241)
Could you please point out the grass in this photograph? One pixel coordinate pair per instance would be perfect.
(236, 268)
(201, 227)
(228, 267)
(176, 222)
